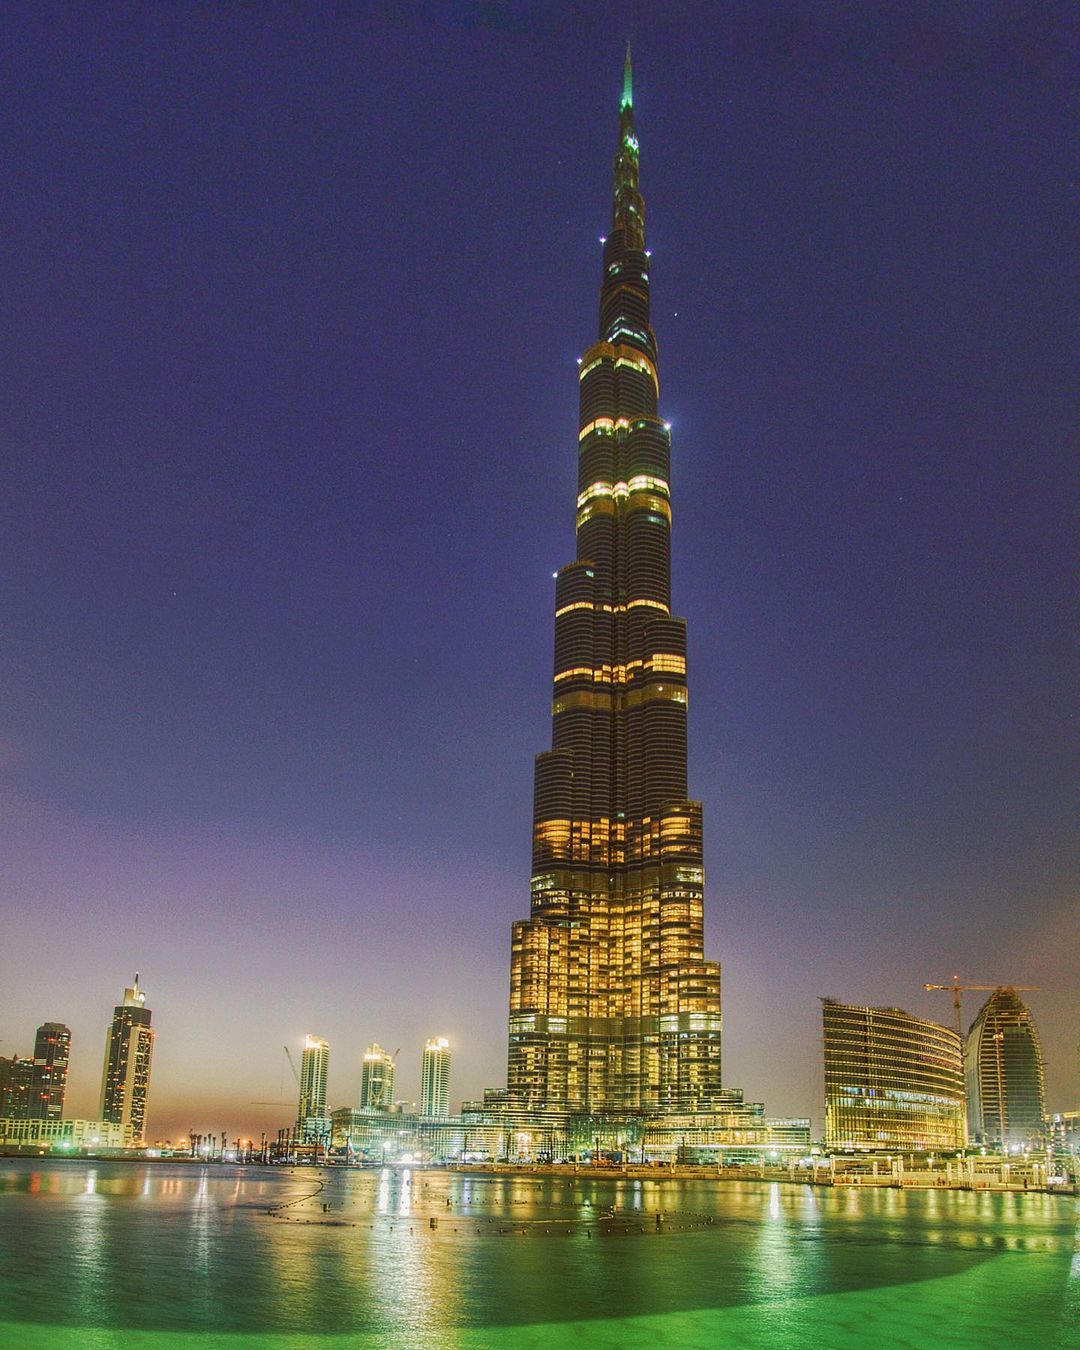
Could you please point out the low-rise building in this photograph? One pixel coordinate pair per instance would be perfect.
(90, 1136)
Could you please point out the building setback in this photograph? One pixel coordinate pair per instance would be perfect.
(1004, 1067)
(613, 1007)
(129, 1051)
(892, 1081)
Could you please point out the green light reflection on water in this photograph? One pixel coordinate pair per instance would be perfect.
(953, 1311)
(192, 1255)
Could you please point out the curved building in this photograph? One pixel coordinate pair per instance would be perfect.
(613, 1007)
(1004, 1067)
(892, 1081)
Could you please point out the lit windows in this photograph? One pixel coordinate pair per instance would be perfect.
(668, 663)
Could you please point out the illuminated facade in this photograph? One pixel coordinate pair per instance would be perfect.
(16, 1083)
(435, 1078)
(613, 1007)
(33, 1089)
(377, 1080)
(91, 1136)
(52, 1049)
(1004, 1066)
(311, 1118)
(892, 1081)
(129, 1051)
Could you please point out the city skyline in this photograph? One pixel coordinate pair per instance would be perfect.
(221, 438)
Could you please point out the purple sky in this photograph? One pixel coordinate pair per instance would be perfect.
(288, 428)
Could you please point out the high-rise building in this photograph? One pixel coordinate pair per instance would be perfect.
(377, 1080)
(1003, 1061)
(129, 1050)
(312, 1121)
(892, 1081)
(52, 1048)
(613, 1007)
(16, 1088)
(435, 1078)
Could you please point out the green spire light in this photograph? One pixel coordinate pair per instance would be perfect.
(627, 82)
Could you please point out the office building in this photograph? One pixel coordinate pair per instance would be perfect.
(892, 1081)
(16, 1088)
(435, 1078)
(62, 1136)
(312, 1122)
(129, 1051)
(52, 1049)
(377, 1080)
(1064, 1130)
(1003, 1062)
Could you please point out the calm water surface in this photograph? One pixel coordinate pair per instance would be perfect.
(121, 1256)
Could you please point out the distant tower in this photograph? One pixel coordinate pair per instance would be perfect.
(435, 1078)
(311, 1110)
(16, 1083)
(125, 1079)
(52, 1047)
(1004, 1067)
(377, 1080)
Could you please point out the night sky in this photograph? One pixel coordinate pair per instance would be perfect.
(292, 300)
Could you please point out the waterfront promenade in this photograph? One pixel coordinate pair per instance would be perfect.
(971, 1174)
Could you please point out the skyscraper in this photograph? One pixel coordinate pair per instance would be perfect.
(16, 1087)
(435, 1078)
(1004, 1068)
(52, 1048)
(129, 1049)
(892, 1081)
(312, 1121)
(377, 1080)
(613, 1007)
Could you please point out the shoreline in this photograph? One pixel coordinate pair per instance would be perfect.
(910, 1181)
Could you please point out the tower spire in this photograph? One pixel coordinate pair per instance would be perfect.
(629, 210)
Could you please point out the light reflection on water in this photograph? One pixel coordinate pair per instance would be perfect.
(200, 1248)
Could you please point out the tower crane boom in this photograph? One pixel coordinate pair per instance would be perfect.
(288, 1056)
(956, 987)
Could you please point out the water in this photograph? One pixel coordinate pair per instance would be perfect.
(122, 1256)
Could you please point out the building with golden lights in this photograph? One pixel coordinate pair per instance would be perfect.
(893, 1082)
(614, 1010)
(435, 1078)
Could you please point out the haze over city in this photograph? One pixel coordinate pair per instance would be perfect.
(288, 415)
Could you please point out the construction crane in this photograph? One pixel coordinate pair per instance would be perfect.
(288, 1056)
(956, 987)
